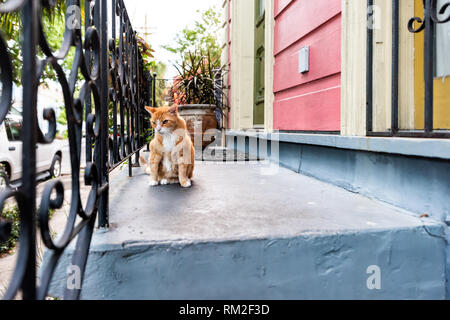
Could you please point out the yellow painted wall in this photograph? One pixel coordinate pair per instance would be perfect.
(441, 110)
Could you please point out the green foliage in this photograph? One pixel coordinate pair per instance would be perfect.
(161, 90)
(203, 36)
(157, 67)
(62, 118)
(11, 25)
(53, 21)
(146, 53)
(54, 28)
(195, 83)
(148, 135)
(11, 214)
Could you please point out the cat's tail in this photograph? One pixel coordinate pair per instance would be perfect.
(144, 164)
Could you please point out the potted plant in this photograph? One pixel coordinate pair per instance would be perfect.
(198, 92)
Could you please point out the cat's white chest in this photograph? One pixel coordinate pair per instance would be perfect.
(168, 145)
(169, 142)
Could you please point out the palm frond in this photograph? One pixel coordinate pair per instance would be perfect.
(196, 81)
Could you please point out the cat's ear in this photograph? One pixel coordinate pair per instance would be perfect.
(174, 109)
(150, 109)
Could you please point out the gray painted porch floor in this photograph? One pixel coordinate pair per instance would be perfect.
(230, 201)
(239, 233)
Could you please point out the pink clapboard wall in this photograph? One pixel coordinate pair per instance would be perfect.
(309, 101)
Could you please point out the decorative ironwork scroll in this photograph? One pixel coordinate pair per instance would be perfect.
(114, 82)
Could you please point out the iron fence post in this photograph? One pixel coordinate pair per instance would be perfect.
(154, 90)
(29, 139)
(429, 67)
(101, 23)
(369, 68)
(395, 65)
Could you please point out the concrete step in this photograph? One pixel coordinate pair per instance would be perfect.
(244, 231)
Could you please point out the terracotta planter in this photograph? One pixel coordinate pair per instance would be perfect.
(199, 118)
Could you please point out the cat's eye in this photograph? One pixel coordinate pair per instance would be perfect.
(165, 121)
(153, 122)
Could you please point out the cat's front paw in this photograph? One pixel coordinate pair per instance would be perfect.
(186, 184)
(153, 183)
(164, 182)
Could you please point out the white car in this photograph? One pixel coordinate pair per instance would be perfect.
(48, 156)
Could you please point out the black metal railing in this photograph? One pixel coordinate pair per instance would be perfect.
(427, 24)
(115, 86)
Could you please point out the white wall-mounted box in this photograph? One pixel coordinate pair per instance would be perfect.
(303, 60)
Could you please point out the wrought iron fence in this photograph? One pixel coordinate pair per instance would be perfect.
(427, 24)
(115, 86)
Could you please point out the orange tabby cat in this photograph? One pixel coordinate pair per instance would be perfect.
(171, 151)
